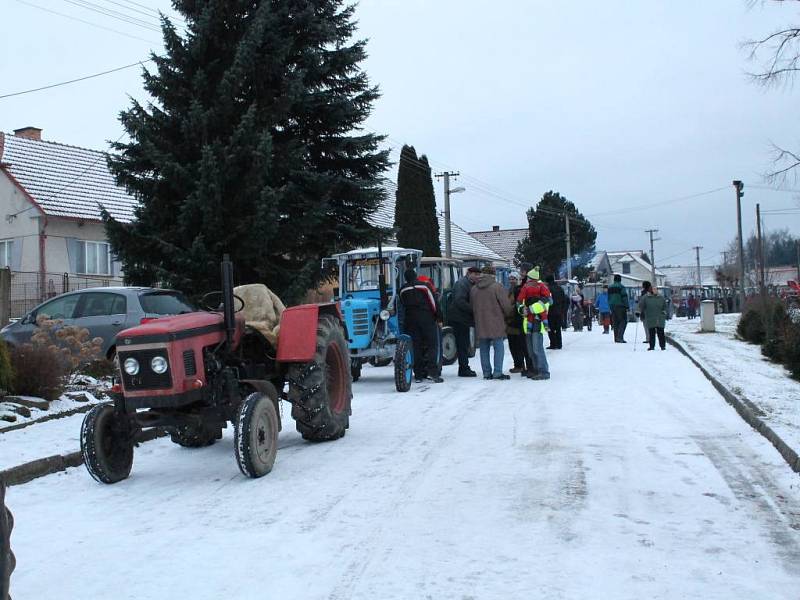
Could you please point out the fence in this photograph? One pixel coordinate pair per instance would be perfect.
(27, 289)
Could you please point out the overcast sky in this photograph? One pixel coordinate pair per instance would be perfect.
(614, 104)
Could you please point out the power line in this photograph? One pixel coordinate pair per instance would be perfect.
(114, 14)
(84, 78)
(85, 22)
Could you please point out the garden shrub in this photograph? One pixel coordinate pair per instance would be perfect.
(791, 347)
(54, 355)
(6, 370)
(751, 326)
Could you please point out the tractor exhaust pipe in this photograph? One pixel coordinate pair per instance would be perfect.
(227, 298)
(381, 279)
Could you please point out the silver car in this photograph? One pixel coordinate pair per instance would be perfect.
(103, 311)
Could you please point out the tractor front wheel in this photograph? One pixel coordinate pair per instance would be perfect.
(107, 444)
(320, 391)
(256, 435)
(449, 348)
(403, 364)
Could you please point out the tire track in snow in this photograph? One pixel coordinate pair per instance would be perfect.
(369, 546)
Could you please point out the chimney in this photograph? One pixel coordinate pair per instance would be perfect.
(494, 227)
(32, 133)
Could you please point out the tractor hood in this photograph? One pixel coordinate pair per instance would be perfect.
(167, 329)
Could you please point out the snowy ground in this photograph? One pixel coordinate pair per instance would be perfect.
(624, 476)
(745, 372)
(68, 402)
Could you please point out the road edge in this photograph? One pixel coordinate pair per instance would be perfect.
(41, 467)
(743, 407)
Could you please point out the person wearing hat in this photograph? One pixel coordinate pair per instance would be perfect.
(533, 302)
(490, 305)
(523, 363)
(653, 310)
(422, 314)
(461, 319)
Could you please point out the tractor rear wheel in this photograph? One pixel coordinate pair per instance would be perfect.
(107, 444)
(403, 364)
(256, 435)
(449, 348)
(320, 391)
(195, 436)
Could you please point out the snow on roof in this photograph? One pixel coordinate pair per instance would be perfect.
(502, 241)
(687, 276)
(463, 245)
(65, 181)
(635, 256)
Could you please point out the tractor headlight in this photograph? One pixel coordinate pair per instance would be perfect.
(131, 366)
(385, 315)
(159, 365)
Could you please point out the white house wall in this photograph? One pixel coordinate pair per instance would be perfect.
(22, 228)
(59, 230)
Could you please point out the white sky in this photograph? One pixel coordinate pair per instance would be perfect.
(614, 105)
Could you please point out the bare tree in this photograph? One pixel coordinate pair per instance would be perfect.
(777, 56)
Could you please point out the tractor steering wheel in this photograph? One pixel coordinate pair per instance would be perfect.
(208, 304)
(368, 284)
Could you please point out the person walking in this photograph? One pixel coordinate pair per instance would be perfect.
(618, 301)
(601, 304)
(516, 337)
(576, 309)
(422, 314)
(653, 312)
(490, 305)
(533, 301)
(691, 306)
(556, 313)
(461, 319)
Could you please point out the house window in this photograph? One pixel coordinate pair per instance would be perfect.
(626, 268)
(5, 253)
(94, 258)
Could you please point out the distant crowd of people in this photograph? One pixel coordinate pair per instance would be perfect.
(523, 313)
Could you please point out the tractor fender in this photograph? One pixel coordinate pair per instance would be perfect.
(297, 341)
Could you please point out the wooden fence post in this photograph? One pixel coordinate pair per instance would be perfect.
(5, 296)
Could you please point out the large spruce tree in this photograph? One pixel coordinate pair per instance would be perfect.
(251, 146)
(545, 244)
(415, 209)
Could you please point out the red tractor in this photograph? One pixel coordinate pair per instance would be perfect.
(191, 374)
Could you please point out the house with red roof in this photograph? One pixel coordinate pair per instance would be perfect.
(50, 225)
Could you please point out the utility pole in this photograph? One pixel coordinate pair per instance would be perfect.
(699, 276)
(761, 276)
(448, 248)
(569, 247)
(739, 188)
(653, 257)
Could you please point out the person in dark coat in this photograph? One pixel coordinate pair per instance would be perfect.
(653, 312)
(422, 314)
(556, 313)
(461, 319)
(7, 561)
(618, 301)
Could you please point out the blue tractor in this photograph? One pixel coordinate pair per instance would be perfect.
(369, 282)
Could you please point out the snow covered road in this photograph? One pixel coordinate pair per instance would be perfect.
(624, 476)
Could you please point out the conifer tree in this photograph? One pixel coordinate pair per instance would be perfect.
(415, 209)
(251, 146)
(545, 244)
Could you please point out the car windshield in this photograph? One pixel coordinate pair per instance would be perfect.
(165, 303)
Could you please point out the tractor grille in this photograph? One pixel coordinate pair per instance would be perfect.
(360, 321)
(145, 379)
(189, 364)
